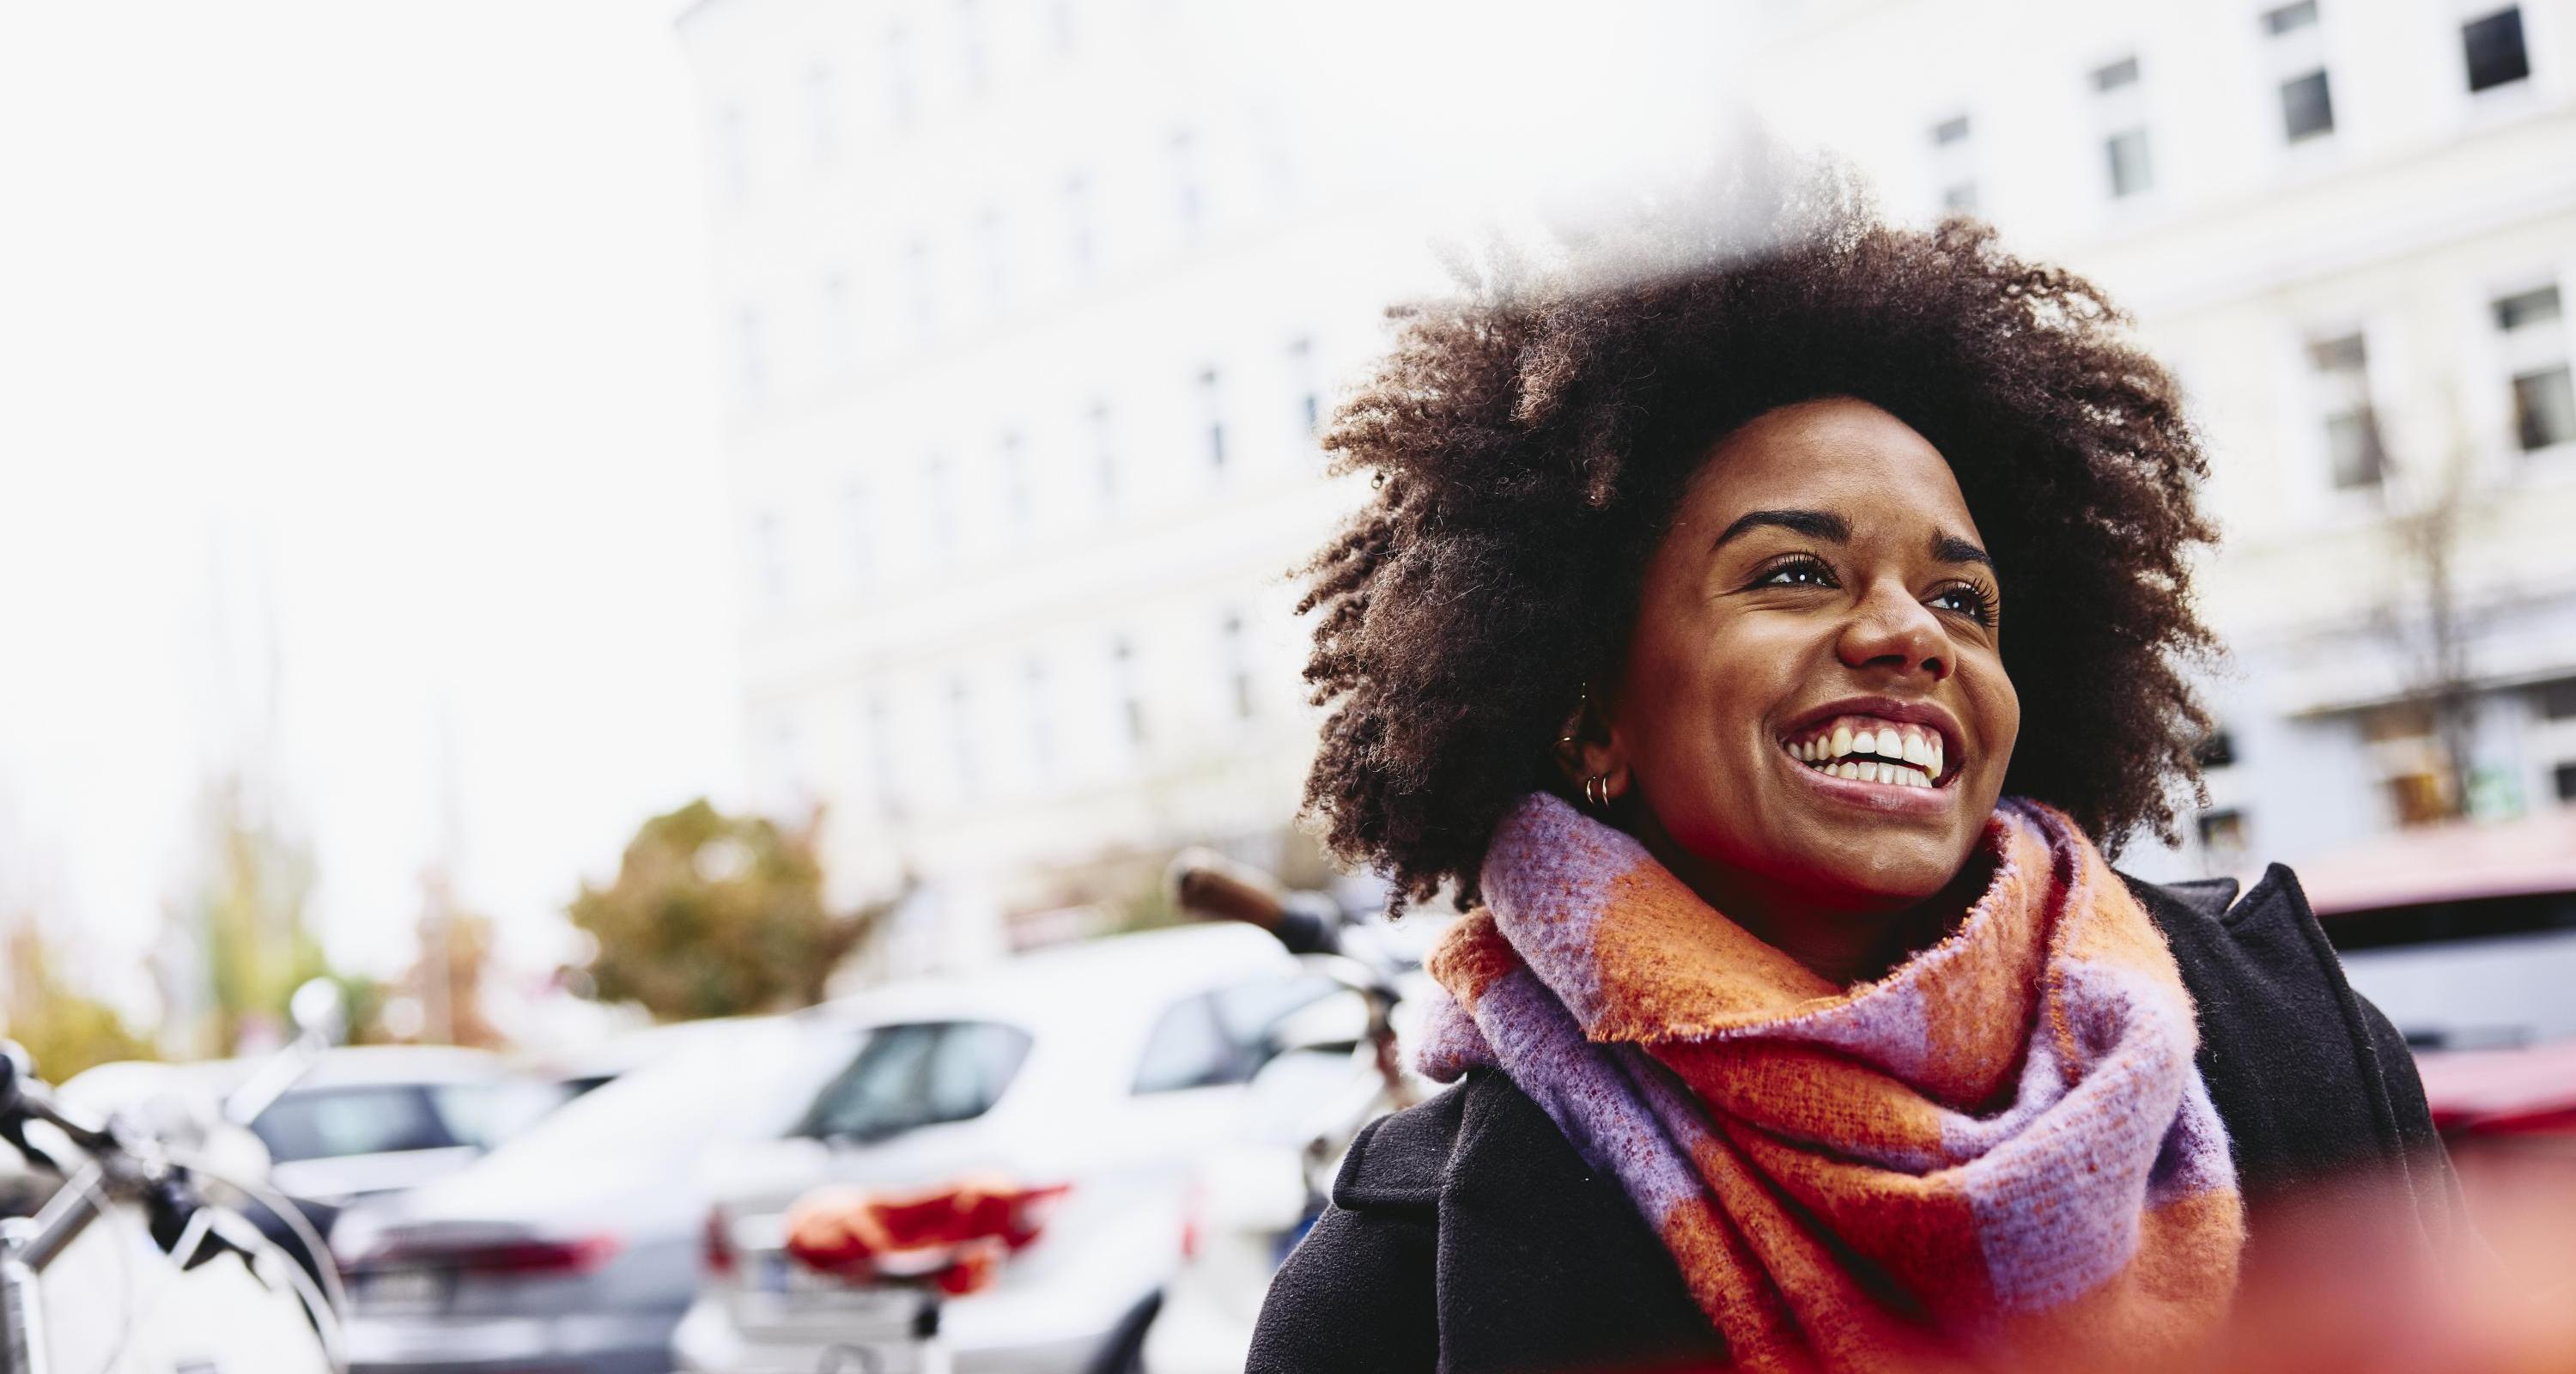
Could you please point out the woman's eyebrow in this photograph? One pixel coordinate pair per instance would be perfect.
(1950, 548)
(1815, 524)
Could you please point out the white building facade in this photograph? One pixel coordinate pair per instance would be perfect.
(2350, 227)
(1030, 311)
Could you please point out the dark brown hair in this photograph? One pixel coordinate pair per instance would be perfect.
(1529, 438)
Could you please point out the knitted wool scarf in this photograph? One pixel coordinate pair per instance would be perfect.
(2000, 1151)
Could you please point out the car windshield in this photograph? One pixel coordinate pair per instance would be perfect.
(2469, 973)
(384, 1118)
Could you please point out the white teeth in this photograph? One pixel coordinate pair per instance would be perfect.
(1864, 742)
(1917, 752)
(1841, 743)
(1934, 767)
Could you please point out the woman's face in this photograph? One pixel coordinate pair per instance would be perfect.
(1813, 710)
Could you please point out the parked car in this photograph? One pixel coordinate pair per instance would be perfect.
(362, 1122)
(1108, 1069)
(368, 1121)
(2465, 935)
(574, 1248)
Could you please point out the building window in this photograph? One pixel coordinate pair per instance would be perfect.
(2222, 831)
(1080, 247)
(2295, 49)
(1014, 471)
(1238, 661)
(2492, 47)
(751, 361)
(902, 100)
(2556, 700)
(2535, 351)
(769, 558)
(840, 323)
(916, 273)
(942, 483)
(2564, 777)
(880, 736)
(1131, 701)
(1212, 408)
(1301, 369)
(861, 533)
(1104, 456)
(970, 46)
(990, 246)
(1190, 196)
(2216, 750)
(733, 153)
(2341, 375)
(961, 738)
(1041, 708)
(1952, 171)
(2307, 107)
(822, 115)
(2120, 105)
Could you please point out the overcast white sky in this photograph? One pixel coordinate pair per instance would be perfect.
(383, 325)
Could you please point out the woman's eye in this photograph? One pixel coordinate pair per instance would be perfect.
(1967, 601)
(1805, 573)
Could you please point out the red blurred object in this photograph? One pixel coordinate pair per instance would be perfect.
(716, 1245)
(952, 1237)
(528, 1257)
(2528, 1091)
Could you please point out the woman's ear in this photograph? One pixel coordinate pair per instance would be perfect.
(1589, 752)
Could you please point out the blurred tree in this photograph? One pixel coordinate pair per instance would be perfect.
(64, 1029)
(448, 977)
(715, 915)
(252, 946)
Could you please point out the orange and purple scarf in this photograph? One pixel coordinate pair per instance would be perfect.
(2000, 1151)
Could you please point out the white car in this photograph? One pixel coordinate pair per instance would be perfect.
(1112, 1069)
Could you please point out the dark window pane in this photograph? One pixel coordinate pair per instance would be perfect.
(2118, 74)
(2345, 354)
(2127, 151)
(2538, 306)
(2557, 699)
(2493, 46)
(2307, 109)
(2289, 17)
(1949, 131)
(2223, 831)
(2566, 776)
(2352, 449)
(2217, 751)
(1960, 198)
(2544, 408)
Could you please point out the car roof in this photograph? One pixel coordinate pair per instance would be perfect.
(2458, 861)
(1116, 979)
(351, 1066)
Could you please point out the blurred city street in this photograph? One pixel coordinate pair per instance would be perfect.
(713, 583)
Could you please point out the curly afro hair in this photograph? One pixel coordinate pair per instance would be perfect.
(1529, 439)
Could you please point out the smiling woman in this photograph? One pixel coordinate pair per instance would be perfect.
(1765, 648)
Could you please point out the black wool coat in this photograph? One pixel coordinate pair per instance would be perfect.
(1466, 1236)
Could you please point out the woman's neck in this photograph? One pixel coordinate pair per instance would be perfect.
(1843, 938)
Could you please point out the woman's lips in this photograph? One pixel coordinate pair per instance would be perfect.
(1897, 799)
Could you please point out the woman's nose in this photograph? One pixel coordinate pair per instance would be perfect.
(1890, 629)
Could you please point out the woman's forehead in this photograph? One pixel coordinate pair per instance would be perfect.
(1843, 455)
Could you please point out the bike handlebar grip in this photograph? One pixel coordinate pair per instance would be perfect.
(17, 1069)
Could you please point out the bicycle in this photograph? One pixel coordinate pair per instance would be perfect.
(121, 1172)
